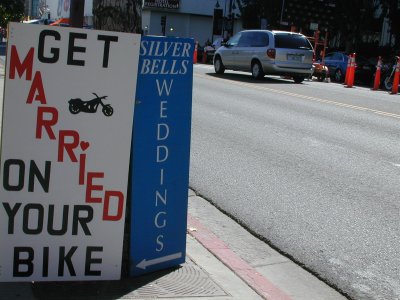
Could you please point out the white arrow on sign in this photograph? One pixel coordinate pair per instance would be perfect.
(146, 263)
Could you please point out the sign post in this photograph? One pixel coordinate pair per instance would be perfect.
(65, 149)
(160, 154)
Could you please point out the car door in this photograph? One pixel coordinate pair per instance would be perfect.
(252, 44)
(243, 52)
(229, 51)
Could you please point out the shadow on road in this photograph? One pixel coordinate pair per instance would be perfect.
(239, 77)
(248, 79)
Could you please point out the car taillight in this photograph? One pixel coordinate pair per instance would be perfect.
(271, 53)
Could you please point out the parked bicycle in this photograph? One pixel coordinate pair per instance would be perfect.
(388, 70)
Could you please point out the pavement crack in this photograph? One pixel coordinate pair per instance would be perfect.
(270, 264)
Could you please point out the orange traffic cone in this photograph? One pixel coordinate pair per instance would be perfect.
(204, 56)
(346, 79)
(377, 81)
(195, 53)
(395, 88)
(352, 71)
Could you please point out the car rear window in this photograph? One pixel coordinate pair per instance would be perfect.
(291, 41)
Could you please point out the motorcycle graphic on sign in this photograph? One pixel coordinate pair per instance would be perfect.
(77, 105)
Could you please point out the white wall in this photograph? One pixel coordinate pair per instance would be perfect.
(201, 29)
(146, 21)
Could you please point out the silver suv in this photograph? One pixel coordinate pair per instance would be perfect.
(266, 52)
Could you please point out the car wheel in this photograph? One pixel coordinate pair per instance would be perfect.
(338, 76)
(218, 65)
(298, 79)
(256, 70)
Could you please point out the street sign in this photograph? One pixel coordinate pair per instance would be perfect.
(160, 154)
(66, 138)
(264, 23)
(313, 26)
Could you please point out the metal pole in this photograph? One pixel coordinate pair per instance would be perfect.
(76, 12)
(230, 18)
(283, 6)
(223, 22)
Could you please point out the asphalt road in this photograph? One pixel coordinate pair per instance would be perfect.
(312, 168)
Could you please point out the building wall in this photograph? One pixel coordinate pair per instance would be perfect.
(201, 7)
(27, 7)
(200, 29)
(179, 25)
(35, 8)
(191, 19)
(31, 8)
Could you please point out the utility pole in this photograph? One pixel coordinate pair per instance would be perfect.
(231, 17)
(163, 24)
(76, 13)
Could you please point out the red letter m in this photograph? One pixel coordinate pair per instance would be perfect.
(15, 64)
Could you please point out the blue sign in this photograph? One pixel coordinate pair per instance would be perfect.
(160, 154)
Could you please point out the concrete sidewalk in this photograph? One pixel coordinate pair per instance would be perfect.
(274, 276)
(224, 261)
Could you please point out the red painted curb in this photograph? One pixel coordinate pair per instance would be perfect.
(255, 280)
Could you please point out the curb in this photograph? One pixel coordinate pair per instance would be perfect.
(248, 274)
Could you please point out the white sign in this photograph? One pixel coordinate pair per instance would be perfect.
(67, 126)
(313, 26)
